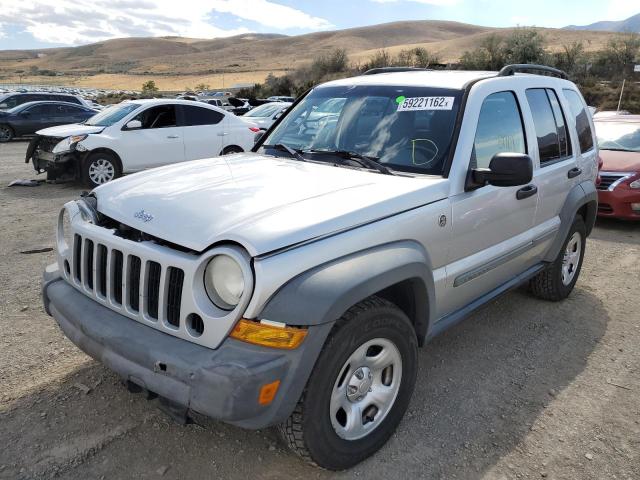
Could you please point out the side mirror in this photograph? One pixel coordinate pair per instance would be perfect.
(258, 136)
(505, 170)
(133, 125)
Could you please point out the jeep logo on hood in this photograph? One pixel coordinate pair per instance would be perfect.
(144, 216)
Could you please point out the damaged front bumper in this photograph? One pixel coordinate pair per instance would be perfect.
(224, 383)
(57, 165)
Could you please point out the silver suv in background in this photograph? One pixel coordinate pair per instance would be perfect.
(291, 286)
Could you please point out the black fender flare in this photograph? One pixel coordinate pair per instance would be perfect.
(324, 293)
(581, 195)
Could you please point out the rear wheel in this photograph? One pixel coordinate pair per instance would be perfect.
(100, 168)
(6, 133)
(557, 280)
(359, 389)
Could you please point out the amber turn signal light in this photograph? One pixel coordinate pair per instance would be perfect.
(268, 392)
(267, 335)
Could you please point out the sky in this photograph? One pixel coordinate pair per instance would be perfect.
(34, 24)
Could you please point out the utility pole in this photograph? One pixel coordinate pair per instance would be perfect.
(621, 92)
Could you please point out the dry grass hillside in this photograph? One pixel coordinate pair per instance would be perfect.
(178, 62)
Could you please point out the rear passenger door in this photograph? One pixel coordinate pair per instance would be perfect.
(586, 151)
(552, 147)
(204, 131)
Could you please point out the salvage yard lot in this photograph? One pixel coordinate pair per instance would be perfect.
(521, 389)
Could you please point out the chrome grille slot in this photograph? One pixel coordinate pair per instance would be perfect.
(133, 282)
(154, 272)
(101, 273)
(174, 295)
(88, 264)
(116, 276)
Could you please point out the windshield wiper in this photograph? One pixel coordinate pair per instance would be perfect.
(364, 160)
(286, 148)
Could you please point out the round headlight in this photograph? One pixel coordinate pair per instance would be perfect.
(224, 281)
(65, 234)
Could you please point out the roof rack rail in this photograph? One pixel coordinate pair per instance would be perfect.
(509, 70)
(375, 71)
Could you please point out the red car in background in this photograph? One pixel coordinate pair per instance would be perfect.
(619, 187)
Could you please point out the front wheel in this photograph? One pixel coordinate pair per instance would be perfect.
(100, 168)
(359, 389)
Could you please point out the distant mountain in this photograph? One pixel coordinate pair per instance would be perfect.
(631, 24)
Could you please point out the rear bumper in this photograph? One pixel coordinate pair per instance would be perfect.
(617, 203)
(223, 383)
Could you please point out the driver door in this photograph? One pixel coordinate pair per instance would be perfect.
(492, 228)
(159, 141)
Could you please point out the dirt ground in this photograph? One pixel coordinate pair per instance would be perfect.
(522, 389)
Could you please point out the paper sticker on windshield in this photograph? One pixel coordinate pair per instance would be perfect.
(425, 103)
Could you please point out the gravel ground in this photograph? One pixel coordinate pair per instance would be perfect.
(522, 389)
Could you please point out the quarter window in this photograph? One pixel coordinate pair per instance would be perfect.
(499, 129)
(550, 126)
(583, 127)
(194, 116)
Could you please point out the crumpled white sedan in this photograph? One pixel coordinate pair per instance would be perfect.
(136, 135)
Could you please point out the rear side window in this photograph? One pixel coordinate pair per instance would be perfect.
(66, 98)
(194, 116)
(585, 136)
(499, 129)
(550, 126)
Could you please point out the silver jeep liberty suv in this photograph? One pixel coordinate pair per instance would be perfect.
(292, 285)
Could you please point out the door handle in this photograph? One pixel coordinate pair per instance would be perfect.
(574, 172)
(222, 134)
(173, 136)
(526, 192)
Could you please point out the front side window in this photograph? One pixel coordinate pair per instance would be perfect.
(42, 110)
(405, 128)
(499, 129)
(194, 116)
(112, 114)
(585, 135)
(11, 101)
(161, 116)
(549, 124)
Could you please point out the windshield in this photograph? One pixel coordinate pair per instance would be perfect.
(404, 128)
(112, 114)
(618, 136)
(264, 110)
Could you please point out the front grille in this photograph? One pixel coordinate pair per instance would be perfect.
(607, 179)
(112, 276)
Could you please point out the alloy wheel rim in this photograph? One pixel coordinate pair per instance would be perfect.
(101, 171)
(571, 258)
(5, 134)
(366, 389)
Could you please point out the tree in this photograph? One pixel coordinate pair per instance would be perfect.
(525, 45)
(149, 87)
(202, 86)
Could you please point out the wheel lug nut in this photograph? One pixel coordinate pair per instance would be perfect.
(359, 374)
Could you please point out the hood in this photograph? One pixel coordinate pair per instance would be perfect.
(615, 161)
(64, 131)
(262, 202)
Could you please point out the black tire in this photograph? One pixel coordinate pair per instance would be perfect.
(549, 284)
(309, 431)
(106, 159)
(6, 133)
(229, 149)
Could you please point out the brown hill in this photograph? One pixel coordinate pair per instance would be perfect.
(174, 62)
